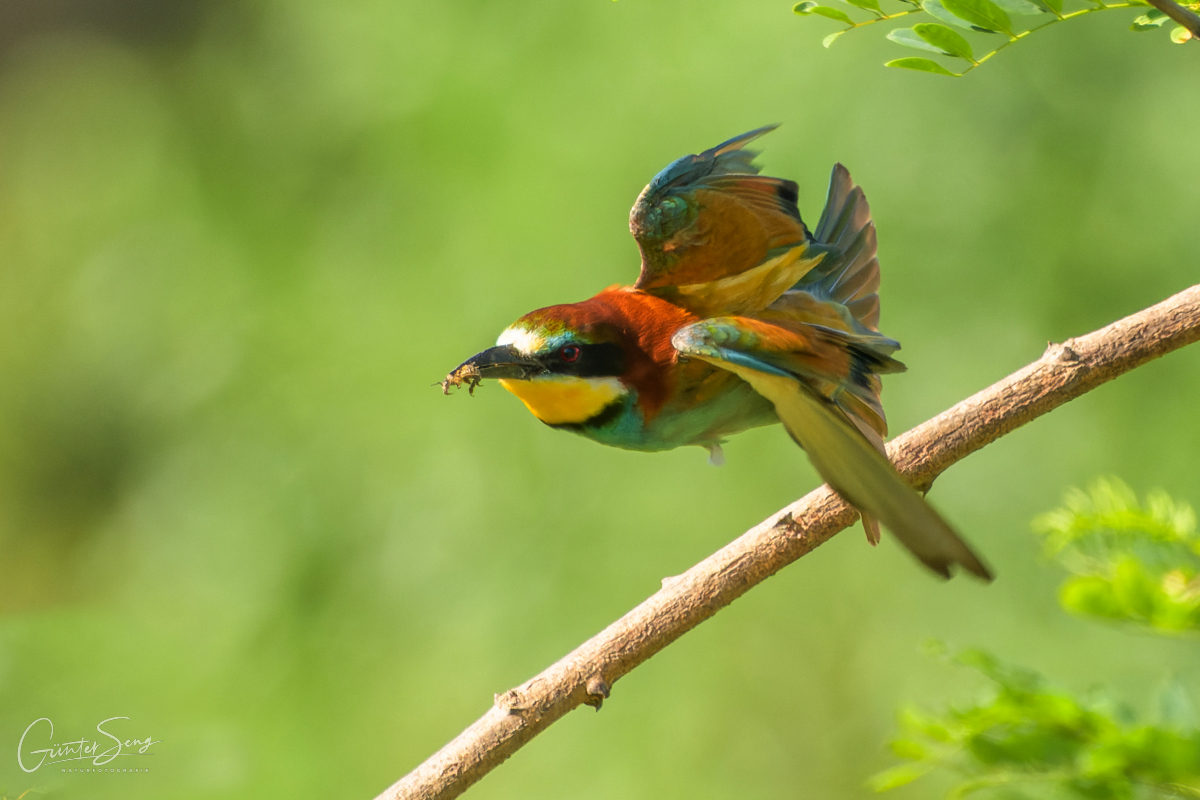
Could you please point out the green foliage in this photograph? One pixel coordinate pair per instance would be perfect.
(1131, 561)
(935, 38)
(992, 17)
(950, 42)
(981, 14)
(1027, 734)
(920, 65)
(831, 13)
(1153, 19)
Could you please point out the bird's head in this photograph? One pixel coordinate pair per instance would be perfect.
(570, 364)
(565, 365)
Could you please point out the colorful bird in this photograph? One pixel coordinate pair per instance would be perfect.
(740, 317)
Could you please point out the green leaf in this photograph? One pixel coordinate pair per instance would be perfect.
(935, 9)
(866, 5)
(804, 8)
(909, 38)
(912, 750)
(897, 776)
(1090, 596)
(1180, 35)
(831, 38)
(936, 730)
(1148, 22)
(1009, 676)
(1134, 589)
(831, 13)
(921, 65)
(980, 13)
(1022, 8)
(948, 40)
(1053, 6)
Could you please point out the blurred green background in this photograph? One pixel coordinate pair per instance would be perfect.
(240, 241)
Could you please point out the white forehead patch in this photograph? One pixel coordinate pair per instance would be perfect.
(530, 342)
(527, 342)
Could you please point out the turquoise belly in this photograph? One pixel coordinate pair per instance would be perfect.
(676, 425)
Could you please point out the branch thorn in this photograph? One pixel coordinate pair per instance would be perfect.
(597, 691)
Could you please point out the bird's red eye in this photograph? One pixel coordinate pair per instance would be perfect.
(570, 353)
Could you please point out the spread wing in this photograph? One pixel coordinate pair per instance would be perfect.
(715, 236)
(817, 378)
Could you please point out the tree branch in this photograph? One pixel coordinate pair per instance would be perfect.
(1184, 16)
(1064, 372)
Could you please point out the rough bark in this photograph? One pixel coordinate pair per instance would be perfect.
(584, 676)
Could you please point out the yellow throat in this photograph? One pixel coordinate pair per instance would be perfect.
(563, 400)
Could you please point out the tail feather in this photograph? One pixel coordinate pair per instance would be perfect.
(864, 477)
(866, 311)
(848, 276)
(846, 210)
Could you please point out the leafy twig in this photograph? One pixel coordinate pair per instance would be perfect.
(988, 16)
(1185, 17)
(1101, 6)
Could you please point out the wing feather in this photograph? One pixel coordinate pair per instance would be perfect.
(710, 216)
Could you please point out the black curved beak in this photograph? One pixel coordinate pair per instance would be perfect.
(502, 361)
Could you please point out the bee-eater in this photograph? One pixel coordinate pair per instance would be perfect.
(741, 317)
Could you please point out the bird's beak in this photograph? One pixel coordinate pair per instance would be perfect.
(502, 361)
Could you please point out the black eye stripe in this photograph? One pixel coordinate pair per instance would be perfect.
(592, 361)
